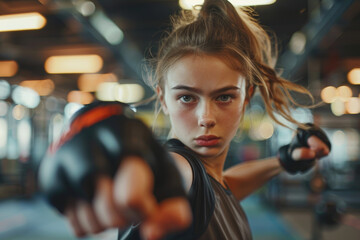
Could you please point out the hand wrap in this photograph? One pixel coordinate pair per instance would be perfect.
(99, 137)
(300, 140)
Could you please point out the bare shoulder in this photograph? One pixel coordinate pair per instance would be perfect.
(184, 168)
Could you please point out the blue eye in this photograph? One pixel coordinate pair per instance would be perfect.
(186, 98)
(224, 98)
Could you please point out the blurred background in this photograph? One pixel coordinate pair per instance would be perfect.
(58, 55)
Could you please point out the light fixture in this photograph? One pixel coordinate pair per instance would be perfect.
(328, 94)
(91, 82)
(26, 97)
(344, 93)
(90, 63)
(126, 93)
(86, 8)
(5, 89)
(191, 4)
(80, 97)
(129, 93)
(353, 105)
(42, 87)
(107, 28)
(297, 42)
(8, 68)
(338, 107)
(22, 21)
(354, 76)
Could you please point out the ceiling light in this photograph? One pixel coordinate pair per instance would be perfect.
(338, 107)
(22, 21)
(80, 97)
(353, 105)
(107, 28)
(297, 42)
(86, 8)
(126, 93)
(344, 93)
(129, 93)
(91, 82)
(5, 89)
(26, 97)
(328, 94)
(8, 68)
(90, 63)
(42, 87)
(354, 76)
(191, 4)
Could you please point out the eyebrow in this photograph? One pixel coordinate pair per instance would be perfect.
(196, 90)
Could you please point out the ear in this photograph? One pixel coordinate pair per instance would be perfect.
(161, 96)
(251, 91)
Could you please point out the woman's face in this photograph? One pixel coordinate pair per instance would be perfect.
(204, 99)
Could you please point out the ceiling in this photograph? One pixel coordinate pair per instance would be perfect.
(332, 29)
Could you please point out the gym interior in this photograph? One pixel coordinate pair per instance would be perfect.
(106, 42)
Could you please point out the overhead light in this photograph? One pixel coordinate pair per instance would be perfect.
(344, 93)
(238, 3)
(126, 93)
(90, 63)
(353, 105)
(328, 94)
(86, 8)
(191, 4)
(80, 97)
(338, 107)
(297, 42)
(91, 82)
(19, 112)
(354, 76)
(5, 89)
(42, 87)
(107, 28)
(129, 93)
(8, 68)
(26, 97)
(106, 91)
(22, 21)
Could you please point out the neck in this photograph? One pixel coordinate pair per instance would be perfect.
(215, 165)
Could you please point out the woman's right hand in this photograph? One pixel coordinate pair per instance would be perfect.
(127, 199)
(109, 171)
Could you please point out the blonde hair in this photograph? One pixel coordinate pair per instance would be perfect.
(234, 36)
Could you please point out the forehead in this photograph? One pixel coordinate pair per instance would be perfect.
(203, 71)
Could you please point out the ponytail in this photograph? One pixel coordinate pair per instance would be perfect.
(234, 36)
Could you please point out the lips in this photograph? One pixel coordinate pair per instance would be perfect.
(207, 140)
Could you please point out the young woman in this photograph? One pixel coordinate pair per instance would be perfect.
(207, 70)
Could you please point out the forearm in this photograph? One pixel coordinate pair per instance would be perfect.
(245, 178)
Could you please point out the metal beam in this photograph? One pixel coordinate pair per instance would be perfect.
(315, 30)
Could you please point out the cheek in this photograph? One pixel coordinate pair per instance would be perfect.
(232, 119)
(180, 117)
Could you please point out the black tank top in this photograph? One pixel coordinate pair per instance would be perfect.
(216, 213)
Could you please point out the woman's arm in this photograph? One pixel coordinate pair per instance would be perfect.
(245, 178)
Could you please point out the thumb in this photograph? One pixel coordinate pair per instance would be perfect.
(173, 214)
(303, 153)
(133, 187)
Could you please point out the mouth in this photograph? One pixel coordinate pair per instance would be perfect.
(207, 140)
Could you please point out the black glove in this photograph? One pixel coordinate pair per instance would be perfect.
(300, 140)
(99, 137)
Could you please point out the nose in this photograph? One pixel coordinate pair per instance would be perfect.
(206, 116)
